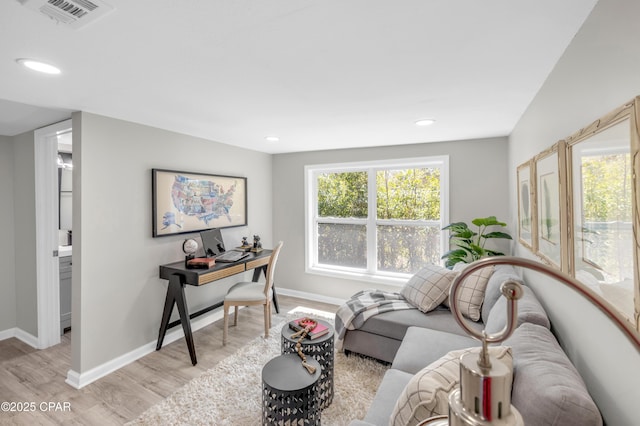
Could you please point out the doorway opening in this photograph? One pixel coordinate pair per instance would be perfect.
(47, 231)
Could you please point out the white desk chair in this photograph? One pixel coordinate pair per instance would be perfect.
(252, 293)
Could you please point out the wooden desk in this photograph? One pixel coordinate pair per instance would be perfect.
(179, 276)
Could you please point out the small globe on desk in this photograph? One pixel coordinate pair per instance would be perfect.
(189, 246)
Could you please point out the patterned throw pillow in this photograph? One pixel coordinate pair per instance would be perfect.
(428, 287)
(471, 293)
(427, 393)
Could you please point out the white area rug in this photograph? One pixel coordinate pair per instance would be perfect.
(230, 393)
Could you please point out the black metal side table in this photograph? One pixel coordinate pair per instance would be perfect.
(322, 350)
(290, 392)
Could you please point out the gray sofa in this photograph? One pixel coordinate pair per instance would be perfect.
(547, 389)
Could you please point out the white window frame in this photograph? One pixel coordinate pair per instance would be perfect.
(311, 208)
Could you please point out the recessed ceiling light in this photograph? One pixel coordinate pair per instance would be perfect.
(272, 139)
(425, 122)
(38, 66)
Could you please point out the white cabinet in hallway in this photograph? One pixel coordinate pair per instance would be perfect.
(65, 293)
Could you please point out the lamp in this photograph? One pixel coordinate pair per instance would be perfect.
(484, 395)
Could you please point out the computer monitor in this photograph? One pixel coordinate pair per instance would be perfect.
(212, 242)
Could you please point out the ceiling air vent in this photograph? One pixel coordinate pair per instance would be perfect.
(73, 13)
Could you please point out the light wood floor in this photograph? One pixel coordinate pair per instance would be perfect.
(35, 376)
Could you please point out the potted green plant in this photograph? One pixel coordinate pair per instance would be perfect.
(470, 244)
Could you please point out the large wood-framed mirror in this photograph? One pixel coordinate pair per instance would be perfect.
(604, 246)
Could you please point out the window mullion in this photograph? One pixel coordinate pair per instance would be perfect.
(340, 220)
(314, 222)
(408, 222)
(372, 234)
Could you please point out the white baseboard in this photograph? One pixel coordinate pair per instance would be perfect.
(7, 334)
(20, 334)
(310, 296)
(79, 380)
(27, 338)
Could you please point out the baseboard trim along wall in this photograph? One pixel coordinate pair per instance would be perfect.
(311, 296)
(79, 381)
(7, 334)
(21, 335)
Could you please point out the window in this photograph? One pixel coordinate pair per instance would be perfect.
(376, 220)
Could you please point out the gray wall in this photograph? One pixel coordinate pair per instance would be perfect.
(7, 258)
(475, 167)
(599, 71)
(25, 233)
(117, 295)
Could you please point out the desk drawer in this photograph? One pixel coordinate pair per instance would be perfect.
(253, 264)
(216, 275)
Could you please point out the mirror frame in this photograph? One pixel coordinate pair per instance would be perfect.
(630, 111)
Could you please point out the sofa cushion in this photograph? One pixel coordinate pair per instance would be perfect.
(471, 292)
(547, 389)
(501, 273)
(427, 394)
(428, 287)
(422, 346)
(529, 310)
(392, 385)
(394, 324)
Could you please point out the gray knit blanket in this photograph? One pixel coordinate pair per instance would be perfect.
(362, 306)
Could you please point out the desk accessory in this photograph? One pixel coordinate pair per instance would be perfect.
(257, 245)
(212, 242)
(307, 324)
(299, 324)
(189, 248)
(201, 262)
(244, 245)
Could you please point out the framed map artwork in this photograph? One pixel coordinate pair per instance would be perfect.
(186, 202)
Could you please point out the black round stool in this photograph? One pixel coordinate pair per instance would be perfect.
(290, 392)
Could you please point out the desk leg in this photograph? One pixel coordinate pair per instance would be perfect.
(169, 302)
(256, 277)
(275, 299)
(175, 296)
(186, 322)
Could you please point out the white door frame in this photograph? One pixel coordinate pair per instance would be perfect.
(47, 262)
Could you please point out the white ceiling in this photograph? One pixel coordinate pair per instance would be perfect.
(318, 74)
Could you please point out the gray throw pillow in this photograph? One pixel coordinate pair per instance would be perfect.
(500, 274)
(547, 389)
(529, 310)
